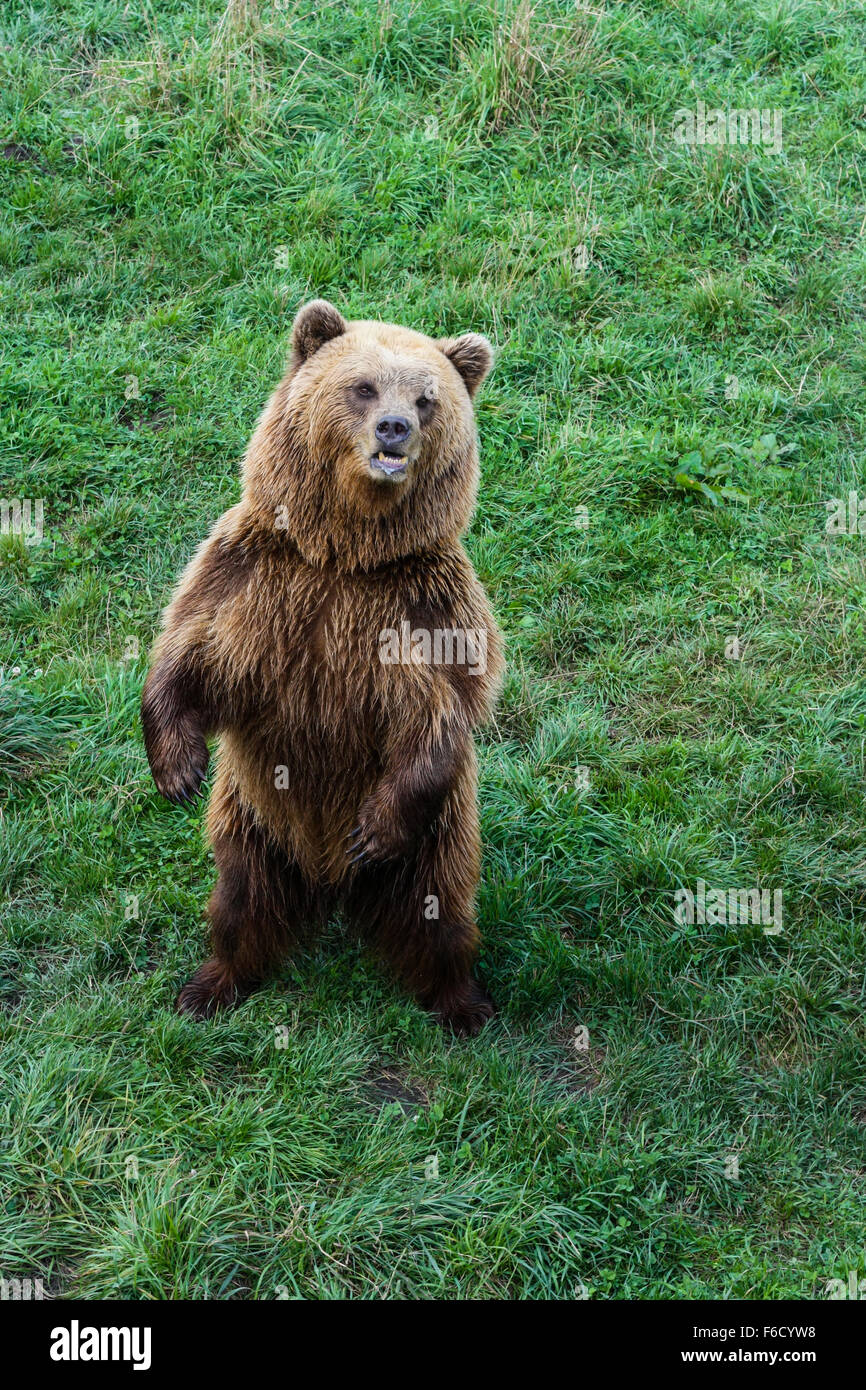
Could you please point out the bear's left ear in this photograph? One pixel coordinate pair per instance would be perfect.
(472, 355)
(316, 324)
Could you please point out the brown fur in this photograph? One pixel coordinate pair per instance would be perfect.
(272, 642)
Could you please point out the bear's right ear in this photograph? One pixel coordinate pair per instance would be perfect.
(316, 324)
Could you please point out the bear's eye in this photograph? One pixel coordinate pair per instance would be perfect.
(424, 402)
(366, 390)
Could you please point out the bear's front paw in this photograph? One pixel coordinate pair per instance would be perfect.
(179, 769)
(375, 838)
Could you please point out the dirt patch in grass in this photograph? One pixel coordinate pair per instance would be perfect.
(385, 1085)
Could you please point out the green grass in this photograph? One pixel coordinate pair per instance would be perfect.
(442, 165)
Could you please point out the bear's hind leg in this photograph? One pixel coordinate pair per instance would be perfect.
(429, 941)
(419, 915)
(259, 908)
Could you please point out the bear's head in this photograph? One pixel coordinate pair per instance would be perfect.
(367, 449)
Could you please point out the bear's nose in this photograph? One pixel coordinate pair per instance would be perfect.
(393, 429)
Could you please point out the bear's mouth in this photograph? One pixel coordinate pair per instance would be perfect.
(393, 465)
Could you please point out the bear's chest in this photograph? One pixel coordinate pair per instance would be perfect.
(321, 650)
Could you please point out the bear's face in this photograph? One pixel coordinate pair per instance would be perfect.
(374, 423)
(383, 403)
(383, 409)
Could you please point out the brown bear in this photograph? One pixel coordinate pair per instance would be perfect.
(332, 632)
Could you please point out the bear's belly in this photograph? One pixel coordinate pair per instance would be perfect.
(317, 709)
(305, 761)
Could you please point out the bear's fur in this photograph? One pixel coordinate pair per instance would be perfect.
(343, 780)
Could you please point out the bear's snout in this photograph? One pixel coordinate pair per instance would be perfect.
(392, 430)
(393, 434)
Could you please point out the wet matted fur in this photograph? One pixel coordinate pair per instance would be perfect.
(342, 780)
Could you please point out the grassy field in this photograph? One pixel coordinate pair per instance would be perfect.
(661, 1109)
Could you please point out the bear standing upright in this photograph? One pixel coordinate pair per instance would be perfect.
(332, 632)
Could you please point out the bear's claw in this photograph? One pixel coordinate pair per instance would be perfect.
(209, 990)
(466, 1015)
(182, 790)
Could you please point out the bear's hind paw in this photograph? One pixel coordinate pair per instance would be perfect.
(466, 1014)
(209, 990)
